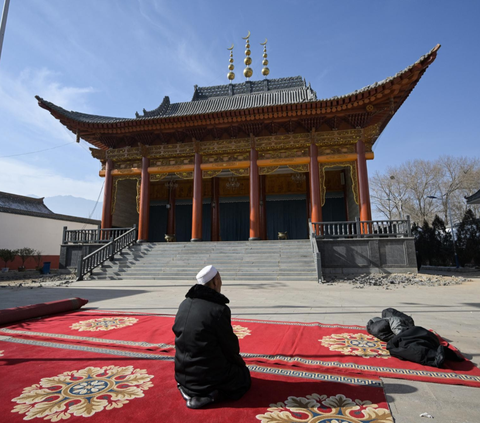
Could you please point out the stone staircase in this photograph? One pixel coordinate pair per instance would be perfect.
(286, 260)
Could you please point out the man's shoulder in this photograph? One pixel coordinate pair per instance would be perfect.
(202, 292)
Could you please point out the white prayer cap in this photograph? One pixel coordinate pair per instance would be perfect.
(206, 274)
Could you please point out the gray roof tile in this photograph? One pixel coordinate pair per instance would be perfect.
(19, 202)
(220, 98)
(28, 206)
(474, 198)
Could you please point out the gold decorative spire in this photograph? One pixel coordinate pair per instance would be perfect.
(230, 74)
(247, 72)
(265, 70)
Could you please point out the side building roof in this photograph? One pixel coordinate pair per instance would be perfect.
(22, 203)
(474, 198)
(35, 207)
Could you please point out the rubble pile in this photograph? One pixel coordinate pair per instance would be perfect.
(41, 280)
(399, 280)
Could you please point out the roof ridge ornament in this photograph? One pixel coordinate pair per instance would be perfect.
(265, 70)
(230, 74)
(247, 72)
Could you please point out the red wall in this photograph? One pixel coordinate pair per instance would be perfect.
(30, 263)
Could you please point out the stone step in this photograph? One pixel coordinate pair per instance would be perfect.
(187, 274)
(224, 265)
(243, 260)
(191, 262)
(192, 279)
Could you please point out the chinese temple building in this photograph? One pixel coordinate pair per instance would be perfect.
(242, 161)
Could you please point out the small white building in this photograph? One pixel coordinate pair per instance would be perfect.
(28, 222)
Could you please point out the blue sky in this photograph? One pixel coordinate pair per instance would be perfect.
(115, 57)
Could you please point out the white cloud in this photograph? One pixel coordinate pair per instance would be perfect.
(19, 106)
(27, 128)
(19, 178)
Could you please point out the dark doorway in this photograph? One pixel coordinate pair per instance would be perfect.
(334, 210)
(287, 216)
(157, 225)
(235, 221)
(183, 222)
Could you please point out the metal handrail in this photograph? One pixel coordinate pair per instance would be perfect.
(91, 236)
(363, 228)
(316, 254)
(106, 252)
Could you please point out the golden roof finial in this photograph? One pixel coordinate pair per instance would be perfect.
(247, 72)
(230, 74)
(265, 70)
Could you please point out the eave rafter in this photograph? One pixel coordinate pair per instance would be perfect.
(351, 110)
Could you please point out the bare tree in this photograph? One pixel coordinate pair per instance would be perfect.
(390, 193)
(406, 189)
(460, 176)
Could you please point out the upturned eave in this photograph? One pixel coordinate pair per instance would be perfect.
(398, 87)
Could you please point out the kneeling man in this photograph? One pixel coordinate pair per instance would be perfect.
(208, 366)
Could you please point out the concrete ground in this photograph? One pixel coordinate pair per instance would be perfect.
(453, 311)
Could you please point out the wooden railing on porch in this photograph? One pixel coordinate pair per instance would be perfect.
(363, 229)
(91, 236)
(105, 252)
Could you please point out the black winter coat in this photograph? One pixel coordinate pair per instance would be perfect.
(419, 345)
(207, 355)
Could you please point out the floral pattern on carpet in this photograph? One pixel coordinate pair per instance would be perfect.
(105, 323)
(82, 392)
(317, 408)
(241, 332)
(358, 344)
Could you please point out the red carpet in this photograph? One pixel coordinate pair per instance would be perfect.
(334, 349)
(100, 327)
(68, 382)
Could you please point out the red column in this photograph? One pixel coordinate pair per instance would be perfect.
(309, 204)
(107, 196)
(364, 193)
(316, 212)
(197, 200)
(215, 210)
(171, 211)
(263, 207)
(254, 197)
(144, 212)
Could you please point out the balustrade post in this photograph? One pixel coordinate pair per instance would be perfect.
(357, 225)
(409, 228)
(79, 267)
(110, 249)
(64, 235)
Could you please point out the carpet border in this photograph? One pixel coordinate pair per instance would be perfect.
(358, 381)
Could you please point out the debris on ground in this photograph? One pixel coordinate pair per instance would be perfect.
(382, 281)
(40, 281)
(428, 416)
(398, 280)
